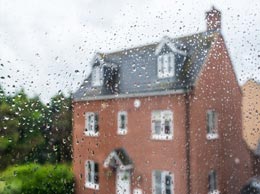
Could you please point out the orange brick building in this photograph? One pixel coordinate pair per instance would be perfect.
(162, 118)
(251, 121)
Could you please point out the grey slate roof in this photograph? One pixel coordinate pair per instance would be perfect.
(135, 70)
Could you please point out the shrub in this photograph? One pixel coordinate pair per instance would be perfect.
(37, 179)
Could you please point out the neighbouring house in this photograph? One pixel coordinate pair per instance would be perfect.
(162, 118)
(251, 121)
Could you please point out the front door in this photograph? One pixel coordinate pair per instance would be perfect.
(123, 181)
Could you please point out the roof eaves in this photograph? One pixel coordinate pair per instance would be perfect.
(167, 41)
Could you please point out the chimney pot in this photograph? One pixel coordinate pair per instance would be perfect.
(213, 18)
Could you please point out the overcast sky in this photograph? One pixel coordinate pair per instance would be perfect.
(47, 45)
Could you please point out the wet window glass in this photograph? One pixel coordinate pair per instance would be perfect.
(129, 97)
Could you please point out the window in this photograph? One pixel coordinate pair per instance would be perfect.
(212, 132)
(213, 182)
(91, 172)
(122, 123)
(162, 182)
(166, 64)
(91, 124)
(97, 77)
(162, 125)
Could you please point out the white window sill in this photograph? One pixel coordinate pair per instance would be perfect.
(162, 137)
(92, 186)
(96, 85)
(214, 192)
(121, 131)
(211, 136)
(92, 134)
(165, 76)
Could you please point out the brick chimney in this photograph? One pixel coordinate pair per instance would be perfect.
(213, 18)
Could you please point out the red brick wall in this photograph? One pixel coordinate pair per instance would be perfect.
(217, 88)
(147, 154)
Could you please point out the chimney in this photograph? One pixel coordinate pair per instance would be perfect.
(213, 18)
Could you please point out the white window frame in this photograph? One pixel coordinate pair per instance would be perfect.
(91, 124)
(162, 135)
(212, 124)
(166, 65)
(162, 186)
(121, 131)
(90, 181)
(97, 76)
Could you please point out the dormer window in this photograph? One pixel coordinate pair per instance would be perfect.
(97, 77)
(165, 64)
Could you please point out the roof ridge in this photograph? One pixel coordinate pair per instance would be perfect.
(207, 33)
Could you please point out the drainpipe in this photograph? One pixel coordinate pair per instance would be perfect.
(187, 130)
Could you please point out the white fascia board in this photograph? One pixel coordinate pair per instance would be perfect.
(110, 156)
(127, 167)
(107, 160)
(168, 42)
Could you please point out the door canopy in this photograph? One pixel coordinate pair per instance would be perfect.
(118, 159)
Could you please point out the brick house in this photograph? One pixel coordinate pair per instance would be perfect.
(161, 118)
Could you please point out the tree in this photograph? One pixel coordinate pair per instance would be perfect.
(60, 110)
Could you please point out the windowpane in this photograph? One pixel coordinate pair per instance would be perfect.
(163, 182)
(162, 124)
(167, 124)
(122, 118)
(168, 183)
(157, 127)
(97, 76)
(92, 175)
(165, 65)
(158, 182)
(160, 66)
(96, 122)
(96, 177)
(122, 122)
(91, 124)
(212, 181)
(89, 167)
(211, 121)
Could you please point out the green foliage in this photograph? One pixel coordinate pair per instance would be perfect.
(61, 127)
(33, 132)
(37, 179)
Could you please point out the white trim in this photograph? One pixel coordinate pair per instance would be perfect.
(121, 166)
(133, 95)
(213, 131)
(163, 174)
(214, 192)
(109, 157)
(121, 187)
(127, 167)
(92, 186)
(90, 132)
(162, 135)
(137, 191)
(97, 76)
(168, 42)
(166, 65)
(211, 136)
(89, 184)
